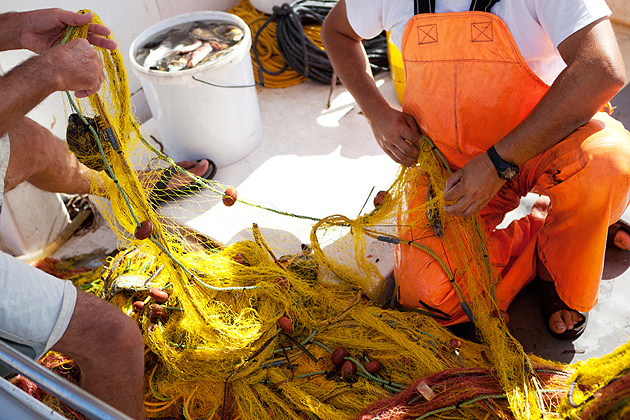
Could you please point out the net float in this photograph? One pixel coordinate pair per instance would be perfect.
(285, 324)
(240, 258)
(502, 315)
(229, 197)
(379, 198)
(455, 343)
(338, 356)
(144, 230)
(282, 282)
(158, 295)
(348, 369)
(138, 306)
(372, 367)
(157, 312)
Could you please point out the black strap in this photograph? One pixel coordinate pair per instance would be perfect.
(482, 5)
(428, 6)
(423, 6)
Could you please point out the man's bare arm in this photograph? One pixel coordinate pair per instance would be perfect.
(9, 31)
(594, 74)
(395, 132)
(74, 66)
(40, 30)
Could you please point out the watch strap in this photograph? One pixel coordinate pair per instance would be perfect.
(505, 169)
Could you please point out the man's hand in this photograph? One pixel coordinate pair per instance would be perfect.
(41, 30)
(76, 66)
(397, 133)
(472, 187)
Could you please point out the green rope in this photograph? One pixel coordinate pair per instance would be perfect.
(488, 267)
(436, 257)
(306, 341)
(476, 399)
(306, 375)
(197, 279)
(364, 373)
(437, 153)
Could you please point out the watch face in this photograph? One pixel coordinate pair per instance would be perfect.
(509, 173)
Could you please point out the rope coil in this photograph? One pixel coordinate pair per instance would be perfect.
(298, 42)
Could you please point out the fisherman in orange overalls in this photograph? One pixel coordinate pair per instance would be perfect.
(513, 93)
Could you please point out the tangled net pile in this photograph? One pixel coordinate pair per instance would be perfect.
(238, 332)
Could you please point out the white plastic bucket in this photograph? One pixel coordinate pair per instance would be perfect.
(266, 6)
(197, 120)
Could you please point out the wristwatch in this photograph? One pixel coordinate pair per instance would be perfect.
(505, 169)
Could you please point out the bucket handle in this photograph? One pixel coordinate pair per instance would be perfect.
(223, 86)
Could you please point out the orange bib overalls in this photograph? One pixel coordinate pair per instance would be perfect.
(467, 86)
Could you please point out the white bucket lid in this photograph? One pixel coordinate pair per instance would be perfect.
(184, 76)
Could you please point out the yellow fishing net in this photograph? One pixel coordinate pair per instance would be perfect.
(238, 332)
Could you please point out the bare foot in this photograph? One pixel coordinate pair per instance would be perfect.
(179, 179)
(562, 320)
(621, 238)
(192, 166)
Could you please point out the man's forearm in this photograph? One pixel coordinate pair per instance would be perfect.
(22, 88)
(10, 30)
(353, 69)
(593, 75)
(350, 62)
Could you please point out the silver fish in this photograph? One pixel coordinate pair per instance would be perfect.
(229, 33)
(177, 61)
(156, 41)
(203, 34)
(127, 283)
(177, 42)
(155, 56)
(199, 54)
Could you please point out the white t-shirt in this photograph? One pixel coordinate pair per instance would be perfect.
(538, 26)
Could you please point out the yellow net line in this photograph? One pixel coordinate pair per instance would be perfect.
(238, 332)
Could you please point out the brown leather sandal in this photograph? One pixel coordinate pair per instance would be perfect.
(551, 303)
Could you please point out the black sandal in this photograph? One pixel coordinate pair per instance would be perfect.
(161, 194)
(551, 303)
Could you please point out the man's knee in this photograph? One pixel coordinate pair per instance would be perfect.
(99, 329)
(609, 148)
(30, 151)
(122, 335)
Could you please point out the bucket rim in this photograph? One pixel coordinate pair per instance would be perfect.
(167, 23)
